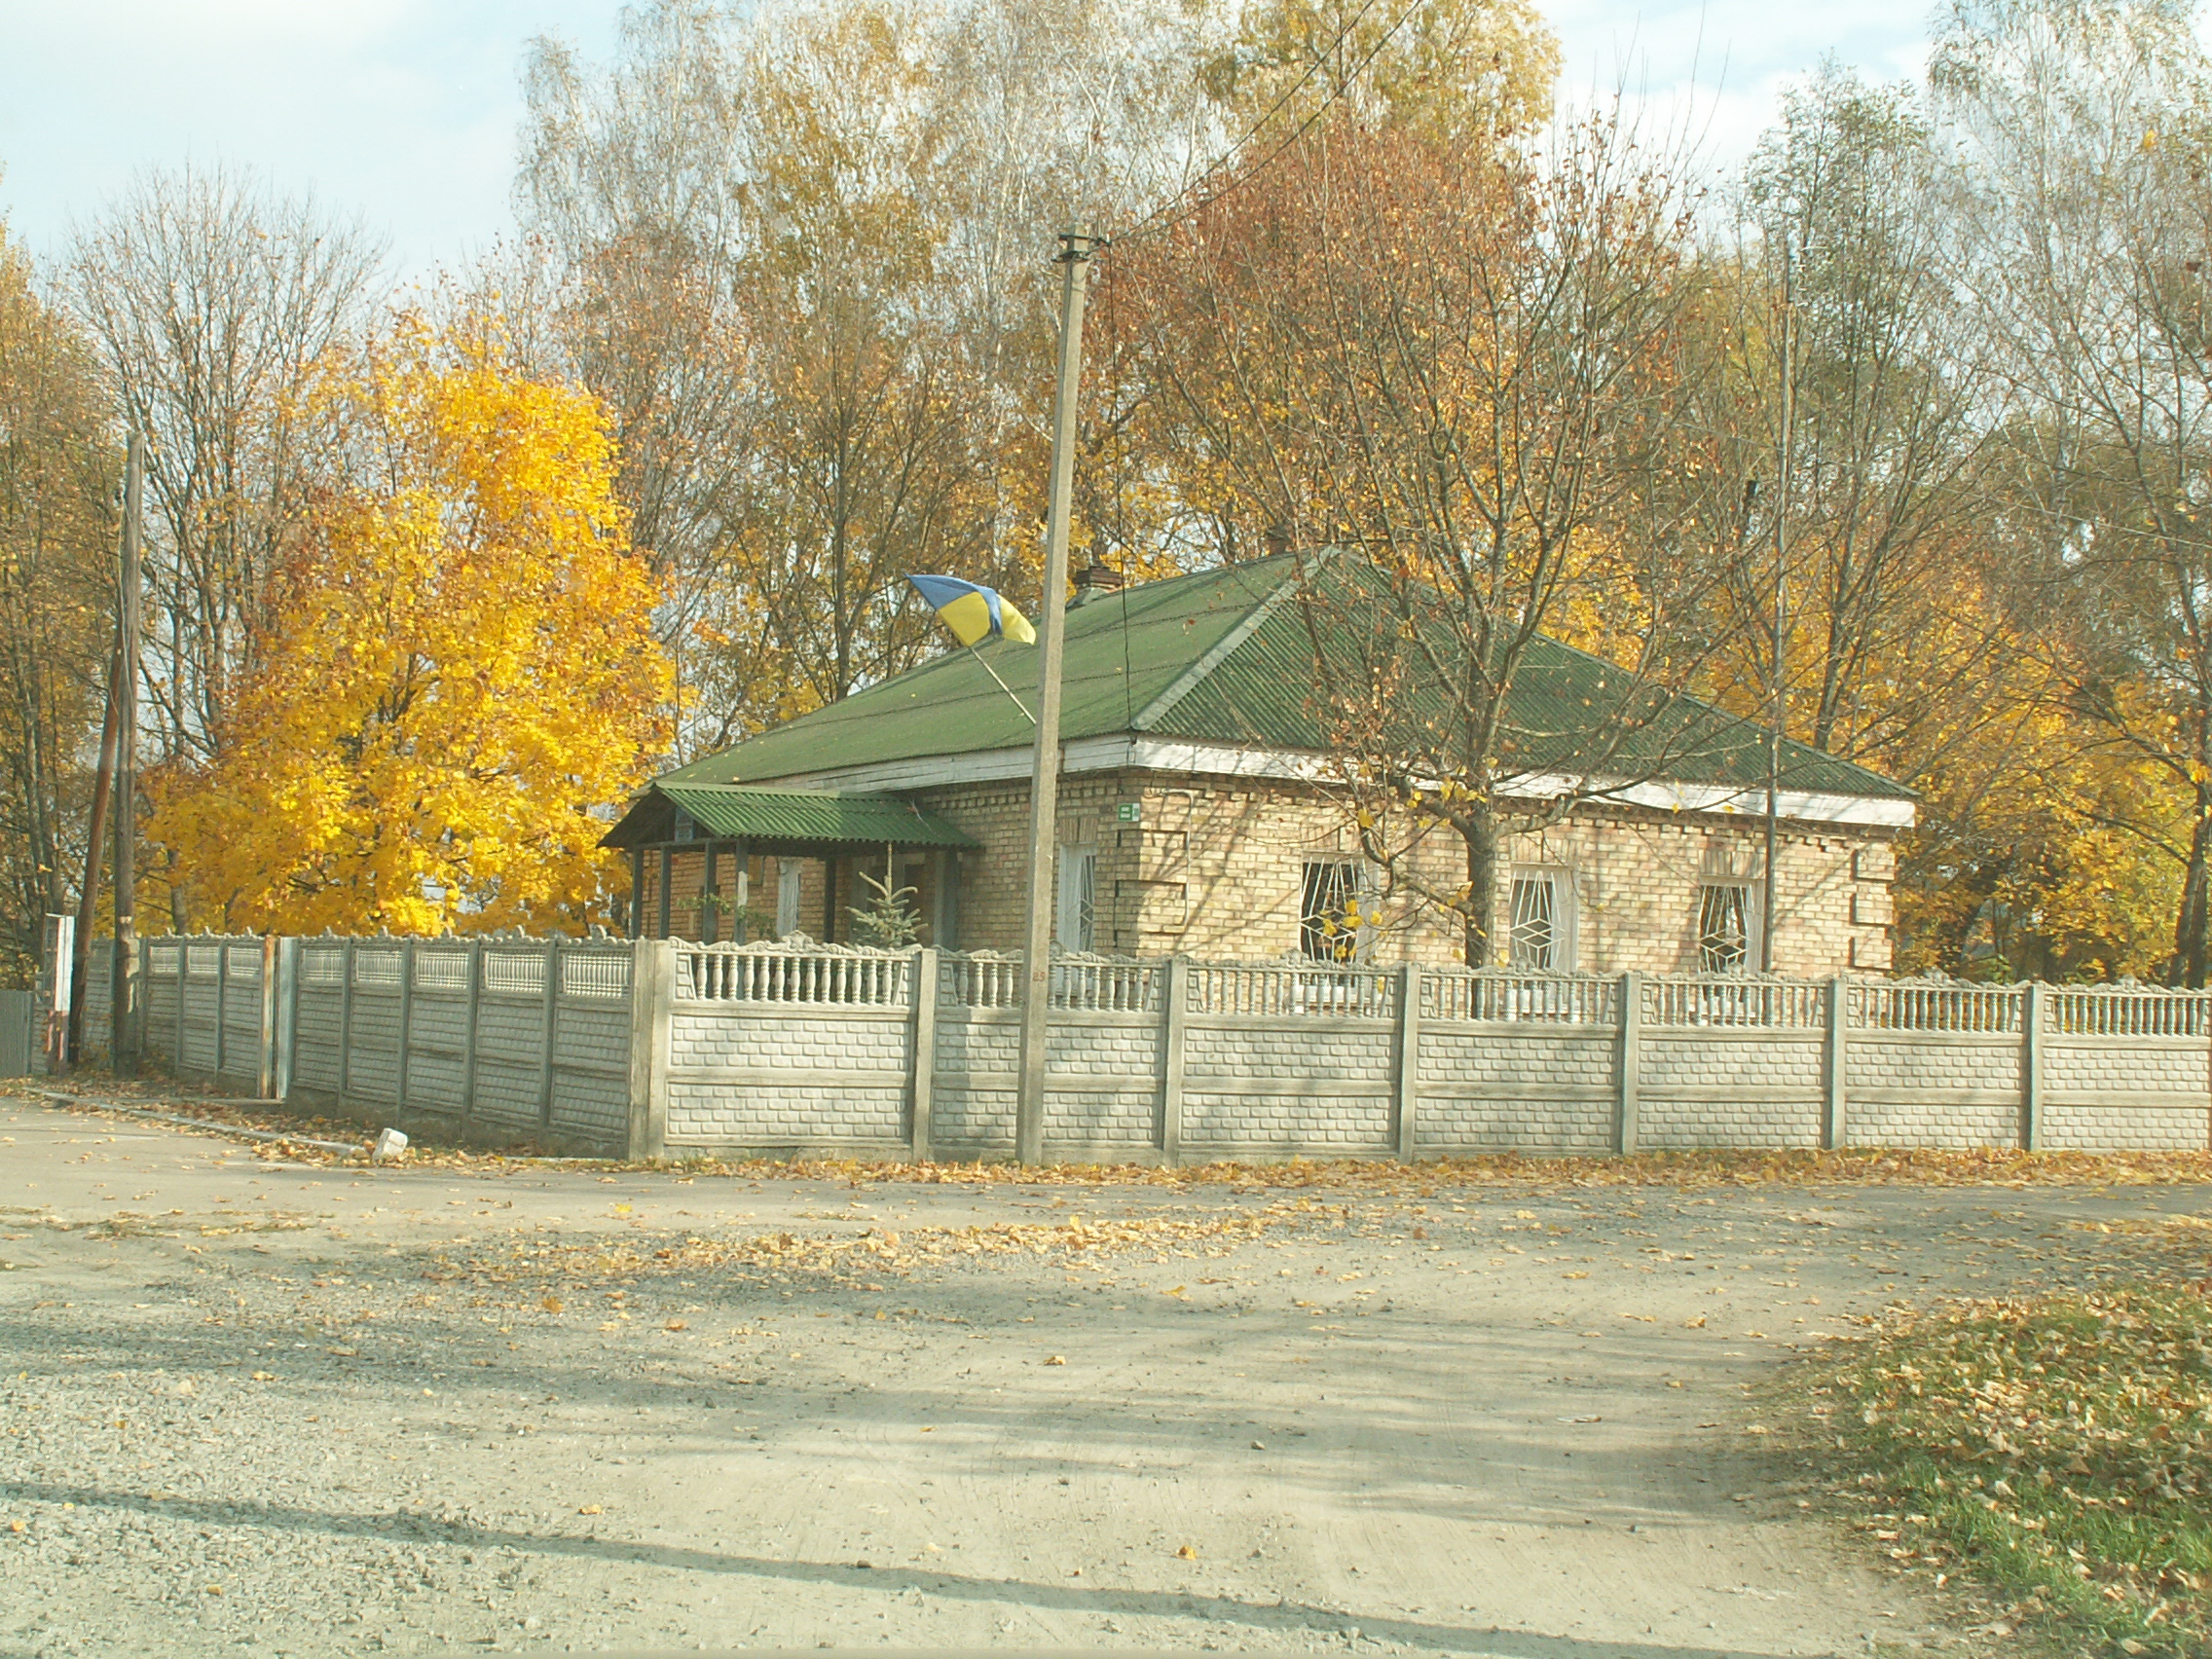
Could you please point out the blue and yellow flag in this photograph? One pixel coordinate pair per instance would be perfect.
(973, 613)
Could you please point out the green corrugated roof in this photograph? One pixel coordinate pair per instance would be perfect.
(766, 816)
(1227, 657)
(949, 705)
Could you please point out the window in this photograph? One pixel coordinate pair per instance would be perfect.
(787, 897)
(1077, 925)
(1330, 925)
(1541, 926)
(1727, 926)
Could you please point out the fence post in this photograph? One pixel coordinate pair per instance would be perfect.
(653, 996)
(1408, 1059)
(925, 1050)
(552, 1022)
(1835, 1131)
(1174, 1008)
(264, 1075)
(286, 1018)
(183, 985)
(2035, 1006)
(222, 1005)
(346, 1022)
(1631, 1061)
(406, 1022)
(469, 1021)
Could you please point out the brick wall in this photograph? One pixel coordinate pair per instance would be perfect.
(1214, 869)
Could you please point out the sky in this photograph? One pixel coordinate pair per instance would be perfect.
(406, 111)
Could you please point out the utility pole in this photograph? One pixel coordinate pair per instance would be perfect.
(1076, 249)
(95, 852)
(1783, 461)
(123, 1044)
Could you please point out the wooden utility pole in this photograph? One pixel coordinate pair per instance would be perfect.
(1784, 459)
(1075, 248)
(127, 1029)
(96, 854)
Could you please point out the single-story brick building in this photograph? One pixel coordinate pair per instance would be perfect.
(1194, 816)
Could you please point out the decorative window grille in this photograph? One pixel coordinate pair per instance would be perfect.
(1542, 921)
(1726, 927)
(787, 897)
(1330, 925)
(1077, 924)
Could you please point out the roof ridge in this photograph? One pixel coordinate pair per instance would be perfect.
(1222, 649)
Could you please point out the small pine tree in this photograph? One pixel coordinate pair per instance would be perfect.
(889, 921)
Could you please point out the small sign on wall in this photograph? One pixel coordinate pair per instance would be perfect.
(1125, 812)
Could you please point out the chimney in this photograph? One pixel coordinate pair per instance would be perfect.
(1277, 537)
(1093, 579)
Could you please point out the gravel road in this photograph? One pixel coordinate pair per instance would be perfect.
(253, 1407)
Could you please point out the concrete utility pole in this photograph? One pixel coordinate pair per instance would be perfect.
(95, 852)
(1784, 460)
(1075, 248)
(125, 1033)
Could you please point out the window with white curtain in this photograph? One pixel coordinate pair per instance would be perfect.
(1540, 936)
(787, 897)
(1075, 924)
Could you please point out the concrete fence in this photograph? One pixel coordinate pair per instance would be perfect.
(668, 1048)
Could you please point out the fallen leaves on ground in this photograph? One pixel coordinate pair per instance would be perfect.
(2058, 1448)
(874, 1249)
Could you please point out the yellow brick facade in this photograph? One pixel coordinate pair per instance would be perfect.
(1214, 869)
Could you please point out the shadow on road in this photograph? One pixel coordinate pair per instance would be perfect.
(404, 1527)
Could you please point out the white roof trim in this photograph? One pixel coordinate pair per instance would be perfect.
(1189, 679)
(1167, 755)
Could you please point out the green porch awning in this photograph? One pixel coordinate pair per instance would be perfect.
(773, 819)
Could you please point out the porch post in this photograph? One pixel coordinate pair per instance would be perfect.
(708, 929)
(636, 892)
(667, 871)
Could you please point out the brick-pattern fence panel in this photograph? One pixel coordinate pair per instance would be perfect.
(1300, 1083)
(1730, 1088)
(1934, 1088)
(2149, 1094)
(979, 1056)
(1103, 1081)
(755, 1074)
(1493, 1087)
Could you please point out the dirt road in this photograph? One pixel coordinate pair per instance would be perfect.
(248, 1407)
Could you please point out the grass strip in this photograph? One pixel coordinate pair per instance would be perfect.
(2056, 1449)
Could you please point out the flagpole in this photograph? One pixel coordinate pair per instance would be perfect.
(1003, 685)
(1076, 249)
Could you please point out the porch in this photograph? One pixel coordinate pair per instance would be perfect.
(732, 862)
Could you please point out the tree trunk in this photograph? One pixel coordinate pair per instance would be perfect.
(1479, 831)
(2190, 929)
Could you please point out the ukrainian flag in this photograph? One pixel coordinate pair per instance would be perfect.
(973, 613)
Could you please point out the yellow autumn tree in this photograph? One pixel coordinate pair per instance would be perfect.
(459, 667)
